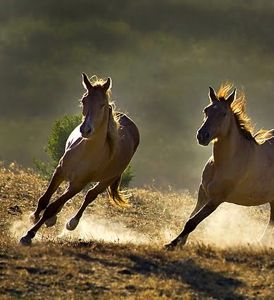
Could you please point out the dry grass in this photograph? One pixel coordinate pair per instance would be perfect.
(117, 254)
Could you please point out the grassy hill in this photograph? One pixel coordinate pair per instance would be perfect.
(118, 254)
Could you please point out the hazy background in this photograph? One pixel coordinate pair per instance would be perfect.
(161, 55)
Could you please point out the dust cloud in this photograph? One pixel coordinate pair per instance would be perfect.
(101, 229)
(233, 225)
(19, 227)
(156, 218)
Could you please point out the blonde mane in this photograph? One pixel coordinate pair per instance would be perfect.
(242, 119)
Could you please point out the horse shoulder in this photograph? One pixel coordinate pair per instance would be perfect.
(216, 186)
(208, 171)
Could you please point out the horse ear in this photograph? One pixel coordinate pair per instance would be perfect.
(85, 81)
(212, 95)
(107, 84)
(231, 97)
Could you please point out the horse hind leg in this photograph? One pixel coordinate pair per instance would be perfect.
(114, 193)
(43, 202)
(89, 198)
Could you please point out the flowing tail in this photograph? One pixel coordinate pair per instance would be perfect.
(115, 195)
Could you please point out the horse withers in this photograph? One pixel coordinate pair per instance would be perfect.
(98, 150)
(241, 168)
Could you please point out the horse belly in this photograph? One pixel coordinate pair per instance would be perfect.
(249, 197)
(244, 193)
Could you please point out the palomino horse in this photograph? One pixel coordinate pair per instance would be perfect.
(98, 150)
(241, 168)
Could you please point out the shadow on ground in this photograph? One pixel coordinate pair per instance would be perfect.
(200, 280)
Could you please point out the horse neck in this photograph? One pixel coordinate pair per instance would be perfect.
(102, 138)
(231, 146)
(99, 137)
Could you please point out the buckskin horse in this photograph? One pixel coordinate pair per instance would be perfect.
(241, 168)
(98, 150)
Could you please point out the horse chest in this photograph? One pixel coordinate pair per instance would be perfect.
(217, 190)
(218, 184)
(80, 166)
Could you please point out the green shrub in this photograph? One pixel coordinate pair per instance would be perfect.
(55, 148)
(59, 134)
(127, 176)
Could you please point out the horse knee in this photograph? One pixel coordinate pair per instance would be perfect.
(42, 203)
(50, 211)
(34, 217)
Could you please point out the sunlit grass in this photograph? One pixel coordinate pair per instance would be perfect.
(118, 253)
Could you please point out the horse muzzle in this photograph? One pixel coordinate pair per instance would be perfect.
(203, 138)
(86, 131)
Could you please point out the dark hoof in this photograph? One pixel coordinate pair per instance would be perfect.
(170, 247)
(51, 221)
(177, 243)
(72, 224)
(25, 240)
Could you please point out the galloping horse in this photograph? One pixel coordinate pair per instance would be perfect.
(98, 150)
(241, 168)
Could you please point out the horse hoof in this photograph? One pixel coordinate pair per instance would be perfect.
(51, 221)
(169, 247)
(25, 241)
(72, 224)
(33, 218)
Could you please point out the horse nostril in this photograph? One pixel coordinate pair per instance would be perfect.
(85, 130)
(206, 136)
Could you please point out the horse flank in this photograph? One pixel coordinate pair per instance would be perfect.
(242, 119)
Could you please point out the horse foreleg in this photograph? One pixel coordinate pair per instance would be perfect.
(43, 202)
(202, 200)
(89, 198)
(50, 212)
(192, 223)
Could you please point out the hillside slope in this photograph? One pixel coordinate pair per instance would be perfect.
(118, 253)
